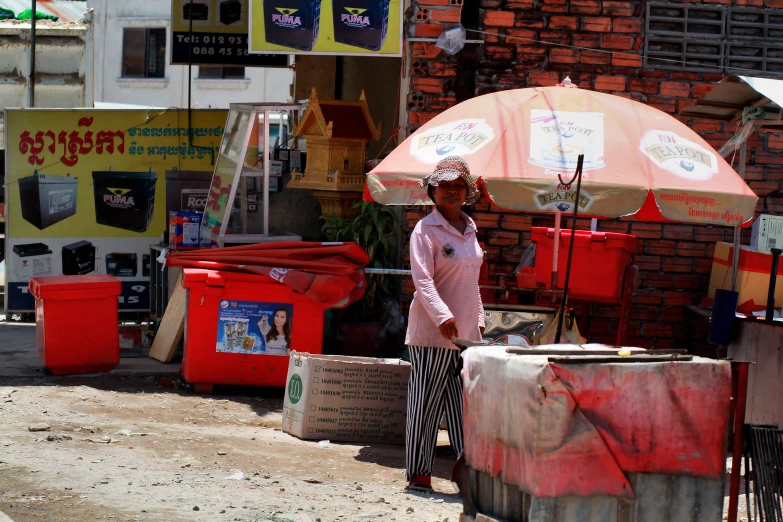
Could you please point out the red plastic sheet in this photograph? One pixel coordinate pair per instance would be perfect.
(327, 273)
(558, 430)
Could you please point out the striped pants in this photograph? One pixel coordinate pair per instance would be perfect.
(434, 384)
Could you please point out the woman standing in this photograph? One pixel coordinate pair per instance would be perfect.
(445, 263)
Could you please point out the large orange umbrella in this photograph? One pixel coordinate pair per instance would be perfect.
(638, 161)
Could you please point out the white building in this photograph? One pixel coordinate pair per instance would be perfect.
(132, 54)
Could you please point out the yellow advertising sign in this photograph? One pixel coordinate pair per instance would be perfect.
(336, 27)
(86, 191)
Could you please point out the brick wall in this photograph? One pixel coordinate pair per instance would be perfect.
(675, 260)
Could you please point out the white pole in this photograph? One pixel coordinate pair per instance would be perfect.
(737, 233)
(267, 156)
(555, 250)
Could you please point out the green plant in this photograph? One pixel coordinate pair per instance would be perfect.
(373, 228)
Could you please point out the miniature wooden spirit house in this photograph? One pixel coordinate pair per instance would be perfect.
(337, 134)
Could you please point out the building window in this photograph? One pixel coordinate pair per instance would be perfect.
(221, 73)
(710, 38)
(144, 53)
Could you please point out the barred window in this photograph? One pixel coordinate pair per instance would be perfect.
(713, 38)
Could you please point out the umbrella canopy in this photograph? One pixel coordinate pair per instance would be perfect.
(638, 161)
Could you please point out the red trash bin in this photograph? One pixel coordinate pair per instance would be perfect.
(76, 322)
(229, 322)
(598, 264)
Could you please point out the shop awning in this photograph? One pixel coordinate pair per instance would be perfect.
(727, 100)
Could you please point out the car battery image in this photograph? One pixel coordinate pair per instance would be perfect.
(184, 230)
(230, 12)
(195, 11)
(78, 258)
(47, 199)
(292, 23)
(121, 264)
(187, 190)
(34, 260)
(361, 23)
(124, 199)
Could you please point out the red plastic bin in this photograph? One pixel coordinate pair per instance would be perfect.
(598, 265)
(225, 341)
(76, 322)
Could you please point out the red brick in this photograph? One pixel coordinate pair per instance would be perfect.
(443, 69)
(689, 282)
(660, 248)
(543, 79)
(627, 26)
(451, 15)
(651, 297)
(594, 58)
(626, 60)
(702, 266)
(558, 37)
(616, 41)
(691, 249)
(646, 231)
(588, 7)
(499, 19)
(679, 89)
(706, 125)
(596, 24)
(522, 34)
(516, 222)
(657, 330)
(610, 83)
(432, 85)
(775, 141)
(677, 298)
(644, 86)
(427, 30)
(776, 4)
(648, 262)
(657, 280)
(497, 52)
(563, 22)
(425, 50)
(663, 104)
(618, 8)
(674, 264)
(501, 238)
(644, 313)
(433, 2)
(560, 55)
(587, 40)
(420, 118)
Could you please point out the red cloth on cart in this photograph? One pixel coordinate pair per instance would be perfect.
(327, 273)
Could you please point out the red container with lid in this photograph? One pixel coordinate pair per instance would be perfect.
(229, 322)
(598, 265)
(76, 322)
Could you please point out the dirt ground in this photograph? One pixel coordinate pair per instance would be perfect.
(136, 449)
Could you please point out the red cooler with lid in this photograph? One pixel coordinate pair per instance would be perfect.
(240, 329)
(76, 322)
(598, 264)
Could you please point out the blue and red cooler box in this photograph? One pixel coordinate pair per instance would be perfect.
(230, 332)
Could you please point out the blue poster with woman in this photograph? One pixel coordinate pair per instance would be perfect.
(255, 328)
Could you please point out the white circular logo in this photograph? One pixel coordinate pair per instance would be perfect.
(224, 304)
(678, 155)
(457, 138)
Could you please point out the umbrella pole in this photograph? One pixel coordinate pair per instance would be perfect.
(555, 252)
(578, 178)
(737, 232)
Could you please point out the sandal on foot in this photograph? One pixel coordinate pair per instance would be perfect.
(421, 484)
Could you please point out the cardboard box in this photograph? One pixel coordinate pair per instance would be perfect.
(767, 233)
(351, 399)
(752, 276)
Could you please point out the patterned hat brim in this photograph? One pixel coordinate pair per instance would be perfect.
(436, 177)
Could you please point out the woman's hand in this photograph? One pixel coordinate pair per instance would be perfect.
(448, 329)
